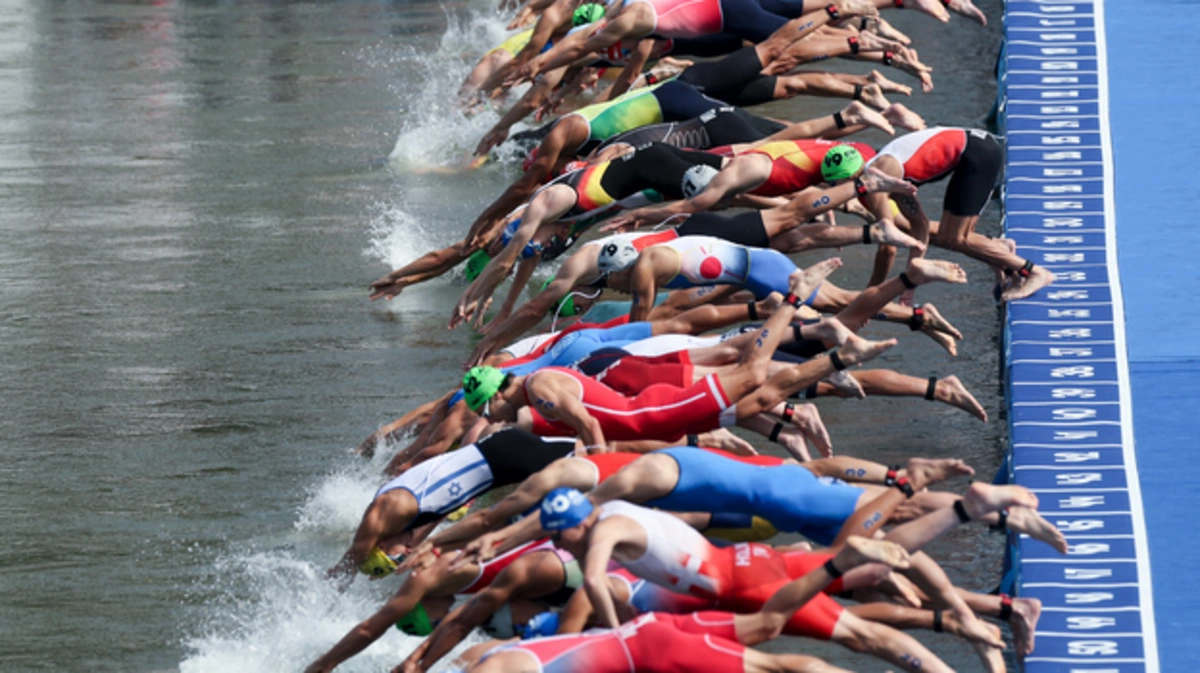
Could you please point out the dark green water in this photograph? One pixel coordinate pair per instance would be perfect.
(195, 196)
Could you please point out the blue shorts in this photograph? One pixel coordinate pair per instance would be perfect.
(768, 272)
(791, 497)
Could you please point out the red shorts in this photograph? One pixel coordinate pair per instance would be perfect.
(652, 643)
(758, 571)
(633, 373)
(659, 412)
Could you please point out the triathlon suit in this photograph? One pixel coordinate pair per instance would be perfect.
(500, 624)
(668, 101)
(535, 354)
(974, 157)
(711, 261)
(647, 175)
(695, 18)
(513, 45)
(789, 496)
(816, 619)
(796, 164)
(735, 79)
(658, 412)
(714, 128)
(527, 345)
(740, 578)
(576, 345)
(444, 483)
(652, 643)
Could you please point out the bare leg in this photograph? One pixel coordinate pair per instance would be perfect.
(948, 390)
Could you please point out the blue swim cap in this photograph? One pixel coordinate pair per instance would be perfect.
(564, 508)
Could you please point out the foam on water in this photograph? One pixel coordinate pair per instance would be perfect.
(278, 612)
(435, 130)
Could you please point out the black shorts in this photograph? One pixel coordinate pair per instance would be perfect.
(725, 77)
(744, 229)
(513, 454)
(974, 178)
(732, 126)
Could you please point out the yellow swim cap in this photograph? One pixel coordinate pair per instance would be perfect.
(377, 564)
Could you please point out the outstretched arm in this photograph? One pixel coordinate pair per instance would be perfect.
(572, 272)
(642, 287)
(602, 539)
(568, 50)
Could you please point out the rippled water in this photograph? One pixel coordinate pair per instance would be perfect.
(196, 195)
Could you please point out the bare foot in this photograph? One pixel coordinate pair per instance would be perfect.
(982, 499)
(725, 440)
(900, 588)
(901, 116)
(886, 231)
(951, 391)
(1027, 521)
(802, 282)
(886, 85)
(830, 330)
(954, 627)
(933, 8)
(857, 8)
(860, 551)
(921, 271)
(769, 305)
(858, 113)
(876, 180)
(944, 340)
(858, 350)
(846, 384)
(968, 10)
(1023, 622)
(853, 207)
(808, 421)
(975, 629)
(909, 64)
(872, 95)
(1024, 286)
(923, 472)
(881, 27)
(793, 441)
(869, 41)
(991, 658)
(935, 322)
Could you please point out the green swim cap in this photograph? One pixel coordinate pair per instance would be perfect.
(480, 384)
(841, 162)
(585, 14)
(476, 263)
(416, 623)
(566, 305)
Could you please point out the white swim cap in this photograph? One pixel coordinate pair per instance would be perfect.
(695, 179)
(616, 256)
